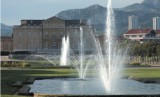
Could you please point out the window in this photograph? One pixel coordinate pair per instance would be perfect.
(20, 34)
(29, 45)
(29, 35)
(54, 44)
(20, 45)
(35, 45)
(151, 34)
(46, 34)
(46, 45)
(127, 36)
(133, 35)
(53, 36)
(32, 45)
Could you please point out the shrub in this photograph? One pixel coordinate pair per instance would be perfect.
(144, 64)
(15, 64)
(21, 52)
(4, 64)
(135, 64)
(24, 64)
(5, 53)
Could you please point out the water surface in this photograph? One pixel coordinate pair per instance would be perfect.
(91, 86)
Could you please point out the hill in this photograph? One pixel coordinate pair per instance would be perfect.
(6, 30)
(96, 14)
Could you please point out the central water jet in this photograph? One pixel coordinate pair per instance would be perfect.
(111, 63)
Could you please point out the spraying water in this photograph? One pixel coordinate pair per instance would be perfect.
(109, 32)
(64, 61)
(111, 63)
(81, 52)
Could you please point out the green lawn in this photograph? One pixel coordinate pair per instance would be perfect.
(9, 76)
(143, 72)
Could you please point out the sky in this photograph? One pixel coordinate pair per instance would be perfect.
(12, 11)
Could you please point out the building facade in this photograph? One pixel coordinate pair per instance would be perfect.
(156, 23)
(36, 35)
(143, 35)
(132, 22)
(6, 43)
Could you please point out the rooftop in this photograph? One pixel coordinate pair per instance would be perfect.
(138, 31)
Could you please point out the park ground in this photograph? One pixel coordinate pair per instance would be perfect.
(11, 74)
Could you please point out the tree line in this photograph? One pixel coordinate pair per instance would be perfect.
(148, 49)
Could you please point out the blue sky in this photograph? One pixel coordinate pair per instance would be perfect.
(12, 11)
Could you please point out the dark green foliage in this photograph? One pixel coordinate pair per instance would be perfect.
(5, 53)
(135, 64)
(21, 52)
(145, 49)
(15, 64)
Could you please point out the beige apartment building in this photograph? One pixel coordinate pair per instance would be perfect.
(6, 43)
(37, 35)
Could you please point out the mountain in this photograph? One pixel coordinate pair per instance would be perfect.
(146, 5)
(96, 14)
(6, 30)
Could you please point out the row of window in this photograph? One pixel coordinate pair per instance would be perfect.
(30, 45)
(35, 34)
(128, 36)
(53, 44)
(134, 36)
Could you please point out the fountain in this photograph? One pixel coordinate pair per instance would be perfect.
(109, 64)
(108, 69)
(65, 52)
(81, 53)
(111, 70)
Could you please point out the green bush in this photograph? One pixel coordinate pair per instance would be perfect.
(144, 64)
(21, 52)
(5, 53)
(4, 64)
(135, 64)
(15, 64)
(148, 49)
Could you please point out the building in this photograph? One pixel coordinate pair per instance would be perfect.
(143, 35)
(6, 43)
(132, 22)
(46, 35)
(156, 23)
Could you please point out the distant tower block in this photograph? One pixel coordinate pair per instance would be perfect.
(156, 23)
(132, 22)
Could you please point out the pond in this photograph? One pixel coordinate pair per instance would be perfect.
(91, 86)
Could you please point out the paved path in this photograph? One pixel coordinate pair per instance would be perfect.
(5, 58)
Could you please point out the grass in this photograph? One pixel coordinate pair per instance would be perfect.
(9, 76)
(143, 72)
(39, 64)
(14, 96)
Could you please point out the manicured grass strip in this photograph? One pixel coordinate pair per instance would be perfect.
(143, 72)
(9, 76)
(13, 96)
